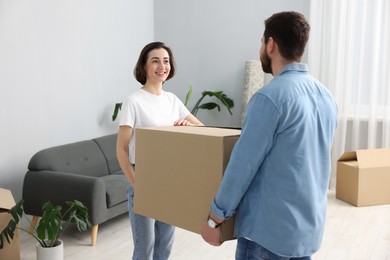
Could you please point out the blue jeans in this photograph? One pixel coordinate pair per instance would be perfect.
(249, 250)
(152, 239)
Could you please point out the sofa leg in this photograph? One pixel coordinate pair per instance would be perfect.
(34, 221)
(94, 232)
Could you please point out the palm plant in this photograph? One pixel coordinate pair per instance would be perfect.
(222, 97)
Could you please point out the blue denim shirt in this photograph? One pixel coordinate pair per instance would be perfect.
(277, 177)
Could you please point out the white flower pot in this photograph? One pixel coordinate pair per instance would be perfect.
(50, 253)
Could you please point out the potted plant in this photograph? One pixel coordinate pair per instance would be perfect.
(50, 227)
(222, 97)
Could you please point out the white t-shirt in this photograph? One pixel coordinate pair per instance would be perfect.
(143, 109)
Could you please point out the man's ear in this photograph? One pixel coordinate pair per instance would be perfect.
(271, 45)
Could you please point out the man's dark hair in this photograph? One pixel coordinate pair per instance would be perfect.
(290, 31)
(139, 69)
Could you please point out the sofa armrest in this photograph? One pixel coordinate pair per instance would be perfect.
(58, 187)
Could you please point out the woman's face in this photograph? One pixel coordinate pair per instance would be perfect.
(157, 66)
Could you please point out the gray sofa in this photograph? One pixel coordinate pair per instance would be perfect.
(87, 171)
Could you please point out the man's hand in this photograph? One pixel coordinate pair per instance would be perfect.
(211, 235)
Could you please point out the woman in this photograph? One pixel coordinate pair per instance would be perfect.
(149, 106)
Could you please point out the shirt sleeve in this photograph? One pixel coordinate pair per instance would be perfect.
(128, 113)
(255, 142)
(183, 110)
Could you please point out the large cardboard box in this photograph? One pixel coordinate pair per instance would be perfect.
(9, 251)
(363, 177)
(178, 172)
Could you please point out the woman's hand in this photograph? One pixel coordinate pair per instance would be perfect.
(190, 120)
(182, 122)
(122, 152)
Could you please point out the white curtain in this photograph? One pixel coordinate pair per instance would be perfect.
(349, 52)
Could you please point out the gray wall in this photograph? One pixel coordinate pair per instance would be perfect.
(63, 64)
(211, 41)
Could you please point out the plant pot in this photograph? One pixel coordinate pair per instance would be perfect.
(50, 253)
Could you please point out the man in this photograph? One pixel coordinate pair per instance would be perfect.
(277, 177)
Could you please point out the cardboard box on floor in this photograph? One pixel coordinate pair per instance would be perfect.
(9, 251)
(363, 177)
(178, 172)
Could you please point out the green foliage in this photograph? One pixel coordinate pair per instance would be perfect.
(52, 224)
(188, 96)
(8, 233)
(117, 108)
(222, 97)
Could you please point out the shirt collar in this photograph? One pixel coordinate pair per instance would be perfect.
(302, 67)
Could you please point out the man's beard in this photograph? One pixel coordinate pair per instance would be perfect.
(266, 62)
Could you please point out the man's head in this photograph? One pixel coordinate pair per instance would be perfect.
(290, 31)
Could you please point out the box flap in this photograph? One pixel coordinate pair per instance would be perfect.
(348, 156)
(373, 158)
(368, 158)
(198, 130)
(6, 199)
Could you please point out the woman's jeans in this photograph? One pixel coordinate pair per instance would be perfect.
(249, 250)
(153, 239)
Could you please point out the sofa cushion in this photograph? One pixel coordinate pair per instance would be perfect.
(116, 189)
(117, 172)
(84, 158)
(107, 144)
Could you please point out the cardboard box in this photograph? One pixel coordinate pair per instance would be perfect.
(178, 172)
(363, 177)
(9, 251)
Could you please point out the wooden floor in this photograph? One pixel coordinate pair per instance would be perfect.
(351, 234)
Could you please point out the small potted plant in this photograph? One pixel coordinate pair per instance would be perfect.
(50, 227)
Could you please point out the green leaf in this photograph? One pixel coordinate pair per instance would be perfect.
(188, 96)
(8, 232)
(50, 223)
(222, 97)
(210, 106)
(79, 215)
(118, 107)
(17, 211)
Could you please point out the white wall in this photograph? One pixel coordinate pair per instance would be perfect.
(63, 64)
(211, 41)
